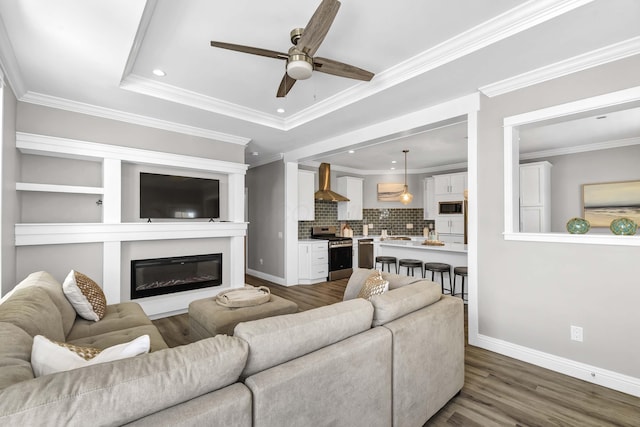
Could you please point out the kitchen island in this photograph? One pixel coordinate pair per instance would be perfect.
(454, 254)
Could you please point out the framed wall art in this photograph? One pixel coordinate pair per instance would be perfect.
(604, 202)
(389, 192)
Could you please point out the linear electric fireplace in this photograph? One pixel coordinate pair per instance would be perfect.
(160, 276)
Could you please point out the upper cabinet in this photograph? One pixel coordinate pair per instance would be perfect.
(306, 190)
(352, 189)
(429, 200)
(535, 197)
(451, 184)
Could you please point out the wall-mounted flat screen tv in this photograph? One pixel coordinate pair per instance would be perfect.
(171, 196)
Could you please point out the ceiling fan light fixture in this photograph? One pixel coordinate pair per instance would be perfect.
(299, 70)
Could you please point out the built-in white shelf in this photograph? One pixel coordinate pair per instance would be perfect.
(68, 233)
(111, 232)
(54, 188)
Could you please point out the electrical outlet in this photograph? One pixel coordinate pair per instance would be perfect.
(280, 235)
(576, 333)
(261, 261)
(409, 226)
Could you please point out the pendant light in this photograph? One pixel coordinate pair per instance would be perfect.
(405, 197)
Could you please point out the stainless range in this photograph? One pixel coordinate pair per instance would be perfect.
(340, 251)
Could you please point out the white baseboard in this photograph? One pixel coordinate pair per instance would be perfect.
(582, 371)
(260, 275)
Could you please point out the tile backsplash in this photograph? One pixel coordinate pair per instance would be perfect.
(393, 220)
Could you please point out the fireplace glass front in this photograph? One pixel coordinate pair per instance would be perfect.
(160, 276)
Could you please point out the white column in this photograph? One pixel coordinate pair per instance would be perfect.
(291, 223)
(236, 261)
(112, 184)
(236, 197)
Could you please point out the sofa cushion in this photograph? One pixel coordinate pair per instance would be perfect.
(33, 310)
(374, 285)
(115, 393)
(112, 338)
(15, 354)
(120, 316)
(404, 300)
(44, 280)
(278, 339)
(85, 295)
(49, 357)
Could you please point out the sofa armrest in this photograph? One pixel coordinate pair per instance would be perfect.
(122, 391)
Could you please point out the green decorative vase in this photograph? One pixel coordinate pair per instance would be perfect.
(623, 227)
(578, 226)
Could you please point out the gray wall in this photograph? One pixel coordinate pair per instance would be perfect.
(266, 219)
(570, 172)
(529, 293)
(370, 199)
(9, 169)
(66, 124)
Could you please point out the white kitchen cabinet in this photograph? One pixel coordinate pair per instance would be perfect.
(450, 184)
(535, 197)
(352, 188)
(429, 200)
(450, 224)
(313, 262)
(306, 190)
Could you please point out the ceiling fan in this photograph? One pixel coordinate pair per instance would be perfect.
(306, 41)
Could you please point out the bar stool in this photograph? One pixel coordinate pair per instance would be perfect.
(386, 260)
(411, 264)
(439, 267)
(462, 272)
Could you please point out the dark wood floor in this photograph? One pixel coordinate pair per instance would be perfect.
(498, 390)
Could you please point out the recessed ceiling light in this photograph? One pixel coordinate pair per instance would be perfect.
(392, 168)
(280, 110)
(351, 151)
(255, 153)
(158, 72)
(393, 162)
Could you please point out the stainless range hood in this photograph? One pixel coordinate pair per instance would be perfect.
(325, 193)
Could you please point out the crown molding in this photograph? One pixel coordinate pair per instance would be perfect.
(9, 63)
(267, 159)
(363, 172)
(577, 63)
(178, 95)
(145, 20)
(513, 21)
(580, 148)
(108, 113)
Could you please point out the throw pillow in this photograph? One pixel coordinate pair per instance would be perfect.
(85, 296)
(374, 285)
(49, 357)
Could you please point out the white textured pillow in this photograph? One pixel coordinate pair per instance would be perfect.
(49, 357)
(85, 296)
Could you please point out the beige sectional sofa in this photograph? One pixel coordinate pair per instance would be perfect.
(391, 361)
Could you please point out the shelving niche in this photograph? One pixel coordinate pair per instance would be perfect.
(111, 232)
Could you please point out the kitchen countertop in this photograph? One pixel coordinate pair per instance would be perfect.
(410, 244)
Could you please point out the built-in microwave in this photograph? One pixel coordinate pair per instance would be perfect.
(450, 208)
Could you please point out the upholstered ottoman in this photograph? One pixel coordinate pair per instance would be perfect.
(207, 318)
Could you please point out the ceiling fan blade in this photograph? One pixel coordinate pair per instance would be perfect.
(329, 66)
(318, 26)
(251, 50)
(285, 86)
